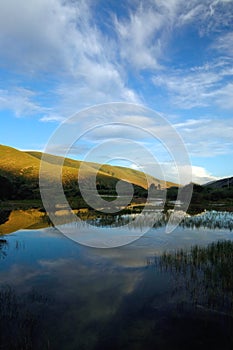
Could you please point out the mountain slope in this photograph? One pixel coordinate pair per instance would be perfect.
(19, 174)
(15, 163)
(130, 175)
(222, 183)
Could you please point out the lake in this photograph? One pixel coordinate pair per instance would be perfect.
(154, 293)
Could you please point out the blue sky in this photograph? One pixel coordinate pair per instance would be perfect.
(175, 57)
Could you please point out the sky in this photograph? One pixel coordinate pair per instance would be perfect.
(58, 57)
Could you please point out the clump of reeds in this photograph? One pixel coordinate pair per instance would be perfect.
(205, 272)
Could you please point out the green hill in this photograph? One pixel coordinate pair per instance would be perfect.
(130, 175)
(19, 175)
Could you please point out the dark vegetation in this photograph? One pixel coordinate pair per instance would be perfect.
(4, 216)
(208, 196)
(206, 273)
(204, 193)
(226, 182)
(21, 318)
(24, 189)
(3, 248)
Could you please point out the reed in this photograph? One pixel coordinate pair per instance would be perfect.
(206, 273)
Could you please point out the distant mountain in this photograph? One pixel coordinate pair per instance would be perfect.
(222, 183)
(19, 175)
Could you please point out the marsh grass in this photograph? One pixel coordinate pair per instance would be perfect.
(21, 320)
(206, 273)
(3, 248)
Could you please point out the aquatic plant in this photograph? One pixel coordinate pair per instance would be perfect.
(209, 219)
(20, 319)
(3, 248)
(205, 272)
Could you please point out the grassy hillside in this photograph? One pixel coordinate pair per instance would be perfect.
(15, 163)
(130, 175)
(19, 175)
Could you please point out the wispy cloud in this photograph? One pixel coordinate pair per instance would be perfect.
(62, 39)
(52, 118)
(22, 101)
(197, 86)
(207, 137)
(139, 37)
(44, 35)
(224, 44)
(91, 66)
(144, 33)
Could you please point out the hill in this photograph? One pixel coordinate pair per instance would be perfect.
(19, 175)
(217, 195)
(222, 183)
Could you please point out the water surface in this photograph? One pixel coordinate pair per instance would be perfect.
(57, 294)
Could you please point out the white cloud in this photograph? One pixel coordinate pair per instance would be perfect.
(144, 33)
(43, 35)
(90, 66)
(207, 16)
(187, 173)
(31, 32)
(191, 173)
(224, 96)
(52, 118)
(198, 86)
(209, 127)
(100, 84)
(207, 137)
(201, 176)
(224, 44)
(62, 39)
(139, 39)
(21, 100)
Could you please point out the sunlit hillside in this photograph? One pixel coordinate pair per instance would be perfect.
(19, 174)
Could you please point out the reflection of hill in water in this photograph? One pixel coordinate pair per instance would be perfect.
(23, 219)
(4, 216)
(35, 219)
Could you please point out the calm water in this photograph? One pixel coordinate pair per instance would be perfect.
(57, 294)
